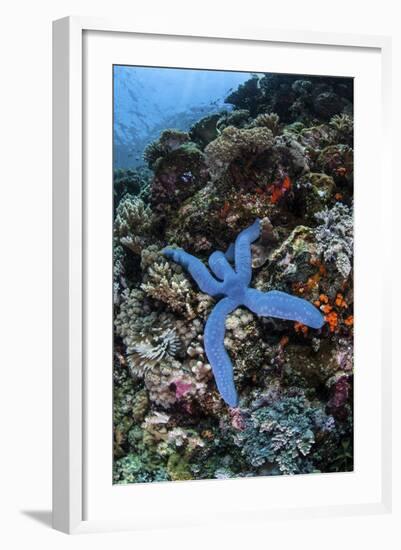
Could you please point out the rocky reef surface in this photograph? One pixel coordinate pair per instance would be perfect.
(284, 154)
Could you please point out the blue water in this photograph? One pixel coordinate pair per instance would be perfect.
(147, 100)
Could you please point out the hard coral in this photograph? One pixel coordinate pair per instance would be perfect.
(337, 161)
(344, 127)
(239, 118)
(335, 238)
(292, 262)
(205, 130)
(174, 289)
(169, 141)
(132, 469)
(178, 175)
(236, 144)
(133, 223)
(130, 181)
(269, 120)
(143, 332)
(313, 193)
(247, 96)
(280, 436)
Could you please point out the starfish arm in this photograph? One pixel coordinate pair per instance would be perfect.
(243, 255)
(283, 306)
(218, 357)
(219, 265)
(229, 254)
(197, 270)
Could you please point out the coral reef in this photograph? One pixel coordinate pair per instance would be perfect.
(233, 144)
(205, 130)
(234, 287)
(294, 98)
(170, 140)
(279, 436)
(335, 238)
(131, 181)
(246, 369)
(270, 120)
(133, 223)
(178, 174)
(239, 118)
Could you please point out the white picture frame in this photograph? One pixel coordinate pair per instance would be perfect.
(71, 244)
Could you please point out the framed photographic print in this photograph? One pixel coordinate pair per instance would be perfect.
(218, 319)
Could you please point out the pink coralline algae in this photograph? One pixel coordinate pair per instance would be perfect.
(182, 388)
(339, 395)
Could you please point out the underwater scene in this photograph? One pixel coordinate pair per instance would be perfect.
(232, 274)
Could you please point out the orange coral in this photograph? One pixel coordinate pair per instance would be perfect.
(340, 302)
(284, 341)
(224, 211)
(332, 320)
(276, 194)
(310, 284)
(279, 189)
(324, 299)
(286, 185)
(331, 310)
(349, 321)
(332, 316)
(299, 327)
(207, 434)
(341, 171)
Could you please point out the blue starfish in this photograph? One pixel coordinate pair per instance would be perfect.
(233, 284)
